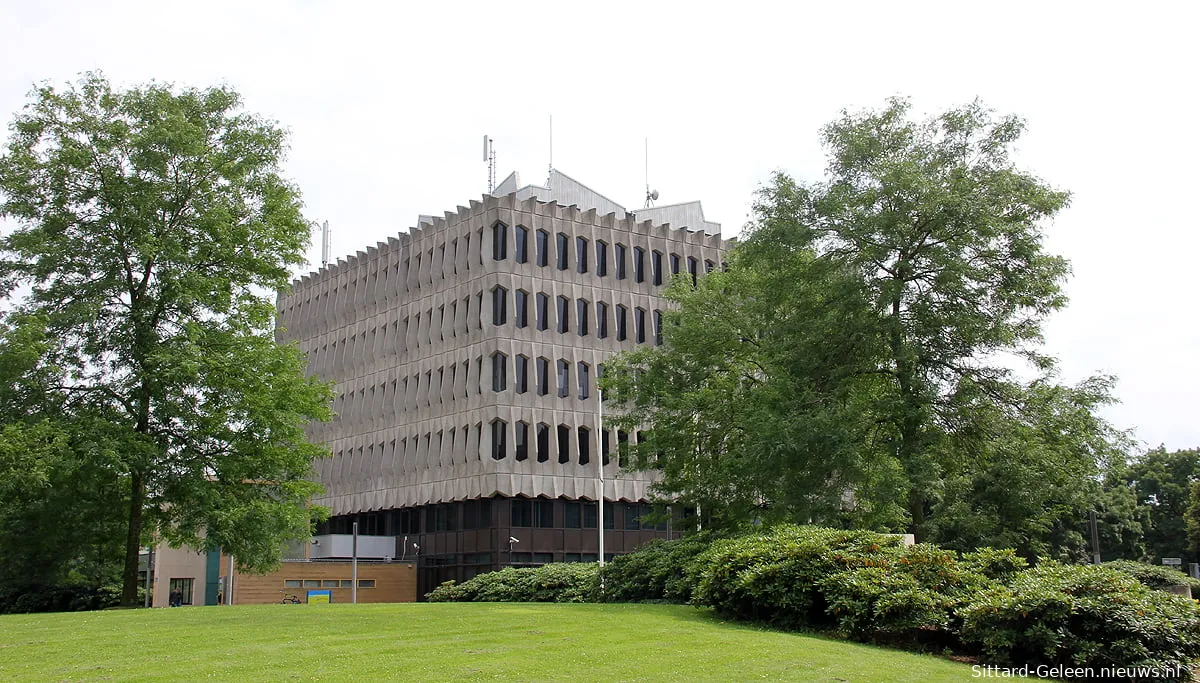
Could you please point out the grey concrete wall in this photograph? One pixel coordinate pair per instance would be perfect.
(405, 330)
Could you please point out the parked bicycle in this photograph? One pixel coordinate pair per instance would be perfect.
(289, 599)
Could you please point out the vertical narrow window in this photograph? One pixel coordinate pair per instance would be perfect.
(521, 445)
(601, 258)
(622, 330)
(543, 248)
(622, 448)
(564, 313)
(564, 444)
(499, 306)
(585, 445)
(521, 309)
(656, 273)
(521, 374)
(543, 380)
(658, 328)
(581, 317)
(561, 254)
(499, 242)
(522, 252)
(564, 377)
(692, 269)
(605, 446)
(709, 266)
(499, 372)
(639, 266)
(541, 314)
(639, 325)
(601, 320)
(543, 442)
(619, 258)
(581, 254)
(585, 380)
(499, 436)
(674, 264)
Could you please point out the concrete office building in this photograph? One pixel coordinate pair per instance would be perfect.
(465, 355)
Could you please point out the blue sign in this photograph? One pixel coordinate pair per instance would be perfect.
(320, 597)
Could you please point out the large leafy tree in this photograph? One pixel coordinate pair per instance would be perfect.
(855, 363)
(1163, 483)
(151, 226)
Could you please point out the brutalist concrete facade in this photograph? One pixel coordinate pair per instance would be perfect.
(465, 355)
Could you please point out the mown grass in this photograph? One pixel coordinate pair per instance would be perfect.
(445, 641)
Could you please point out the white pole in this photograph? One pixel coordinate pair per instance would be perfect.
(354, 567)
(229, 588)
(600, 467)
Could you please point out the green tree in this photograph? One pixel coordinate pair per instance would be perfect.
(855, 364)
(1163, 483)
(150, 225)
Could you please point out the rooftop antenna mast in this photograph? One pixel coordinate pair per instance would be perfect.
(650, 195)
(489, 155)
(551, 169)
(325, 244)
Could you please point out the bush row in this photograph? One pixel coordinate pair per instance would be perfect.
(31, 599)
(870, 587)
(573, 582)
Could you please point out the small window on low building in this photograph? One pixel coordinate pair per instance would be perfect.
(366, 583)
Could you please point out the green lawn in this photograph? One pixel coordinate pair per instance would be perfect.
(445, 641)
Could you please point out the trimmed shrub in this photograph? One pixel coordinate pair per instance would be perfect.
(560, 582)
(1083, 616)
(660, 571)
(998, 565)
(1154, 576)
(31, 599)
(775, 576)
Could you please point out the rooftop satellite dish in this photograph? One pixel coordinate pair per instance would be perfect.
(654, 195)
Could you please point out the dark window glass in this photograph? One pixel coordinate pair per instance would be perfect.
(601, 258)
(708, 266)
(562, 243)
(522, 254)
(581, 317)
(543, 248)
(622, 448)
(564, 371)
(572, 519)
(543, 512)
(585, 445)
(619, 258)
(658, 328)
(633, 515)
(601, 320)
(543, 369)
(499, 372)
(622, 331)
(521, 375)
(564, 444)
(522, 512)
(609, 523)
(499, 306)
(542, 312)
(589, 515)
(656, 274)
(674, 264)
(521, 309)
(522, 442)
(585, 380)
(581, 254)
(499, 241)
(543, 442)
(639, 270)
(564, 313)
(605, 446)
(499, 437)
(692, 269)
(639, 325)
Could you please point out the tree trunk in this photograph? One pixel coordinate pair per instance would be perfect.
(133, 545)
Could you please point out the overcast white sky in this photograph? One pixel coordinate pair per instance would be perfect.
(387, 104)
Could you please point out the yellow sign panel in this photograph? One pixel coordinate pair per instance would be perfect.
(320, 597)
